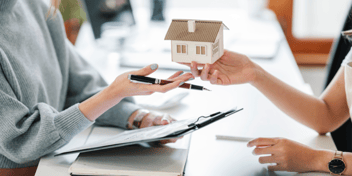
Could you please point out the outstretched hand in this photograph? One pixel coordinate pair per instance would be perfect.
(231, 68)
(125, 88)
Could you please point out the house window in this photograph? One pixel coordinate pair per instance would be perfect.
(215, 47)
(182, 49)
(201, 50)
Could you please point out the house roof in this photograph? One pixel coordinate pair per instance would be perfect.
(206, 31)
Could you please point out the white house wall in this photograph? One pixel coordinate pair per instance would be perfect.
(221, 45)
(191, 52)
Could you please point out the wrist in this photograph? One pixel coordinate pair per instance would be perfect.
(259, 74)
(322, 159)
(114, 92)
(98, 104)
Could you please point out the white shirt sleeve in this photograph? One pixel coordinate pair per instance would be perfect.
(347, 63)
(347, 59)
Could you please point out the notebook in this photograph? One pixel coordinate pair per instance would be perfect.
(141, 160)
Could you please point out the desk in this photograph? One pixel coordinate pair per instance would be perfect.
(208, 156)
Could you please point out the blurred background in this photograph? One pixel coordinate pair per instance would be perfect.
(310, 26)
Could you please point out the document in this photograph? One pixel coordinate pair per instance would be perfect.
(154, 133)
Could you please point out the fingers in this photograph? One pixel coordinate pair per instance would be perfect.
(152, 119)
(276, 168)
(183, 63)
(267, 159)
(205, 72)
(194, 69)
(147, 120)
(179, 73)
(184, 77)
(157, 120)
(151, 88)
(162, 120)
(164, 88)
(263, 150)
(146, 70)
(166, 119)
(263, 142)
(214, 77)
(160, 88)
(173, 140)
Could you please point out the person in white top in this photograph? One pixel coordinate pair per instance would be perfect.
(324, 114)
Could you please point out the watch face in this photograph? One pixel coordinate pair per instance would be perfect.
(336, 166)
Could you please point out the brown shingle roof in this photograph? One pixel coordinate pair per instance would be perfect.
(206, 31)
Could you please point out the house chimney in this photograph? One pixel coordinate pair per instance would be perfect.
(191, 26)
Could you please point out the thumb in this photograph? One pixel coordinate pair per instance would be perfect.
(147, 70)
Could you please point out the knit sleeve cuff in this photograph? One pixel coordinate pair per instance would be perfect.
(118, 115)
(123, 117)
(70, 122)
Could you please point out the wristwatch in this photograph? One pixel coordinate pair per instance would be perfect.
(336, 165)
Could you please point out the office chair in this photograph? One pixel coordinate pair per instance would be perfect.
(102, 11)
(343, 135)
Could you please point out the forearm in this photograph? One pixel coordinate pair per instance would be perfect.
(304, 108)
(98, 104)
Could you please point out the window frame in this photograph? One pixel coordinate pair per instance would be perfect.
(200, 53)
(181, 49)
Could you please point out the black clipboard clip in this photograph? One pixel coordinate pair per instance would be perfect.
(214, 117)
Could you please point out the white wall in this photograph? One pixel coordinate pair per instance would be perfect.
(220, 52)
(319, 18)
(191, 52)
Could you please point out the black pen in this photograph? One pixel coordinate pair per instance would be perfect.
(149, 80)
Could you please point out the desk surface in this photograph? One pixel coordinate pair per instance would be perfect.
(208, 156)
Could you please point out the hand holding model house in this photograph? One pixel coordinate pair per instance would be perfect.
(200, 43)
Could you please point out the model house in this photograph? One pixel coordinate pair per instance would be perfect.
(196, 40)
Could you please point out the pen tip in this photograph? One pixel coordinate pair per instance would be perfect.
(206, 89)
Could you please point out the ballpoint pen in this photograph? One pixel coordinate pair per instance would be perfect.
(233, 138)
(149, 80)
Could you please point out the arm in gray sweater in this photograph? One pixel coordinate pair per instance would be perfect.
(85, 81)
(42, 82)
(27, 133)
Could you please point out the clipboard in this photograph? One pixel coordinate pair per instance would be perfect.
(154, 133)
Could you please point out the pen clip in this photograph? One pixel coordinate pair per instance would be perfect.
(134, 81)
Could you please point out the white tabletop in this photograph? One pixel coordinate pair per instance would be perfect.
(260, 118)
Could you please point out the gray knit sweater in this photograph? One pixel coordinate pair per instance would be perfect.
(42, 80)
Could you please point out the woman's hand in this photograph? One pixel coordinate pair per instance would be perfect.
(123, 87)
(143, 118)
(287, 155)
(231, 68)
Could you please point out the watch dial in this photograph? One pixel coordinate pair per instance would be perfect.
(336, 166)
